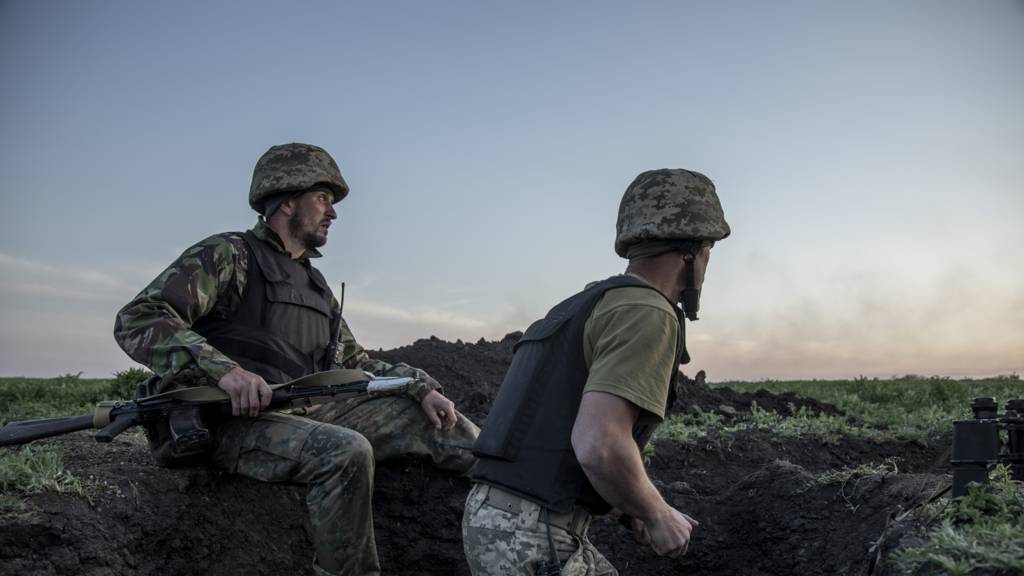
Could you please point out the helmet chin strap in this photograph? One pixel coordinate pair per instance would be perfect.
(684, 355)
(689, 301)
(690, 296)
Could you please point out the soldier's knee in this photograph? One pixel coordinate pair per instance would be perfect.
(357, 448)
(341, 447)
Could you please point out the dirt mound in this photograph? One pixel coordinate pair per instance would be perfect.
(470, 373)
(148, 520)
(694, 394)
(762, 507)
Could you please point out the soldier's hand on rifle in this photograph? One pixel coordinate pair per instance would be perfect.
(439, 410)
(668, 533)
(249, 392)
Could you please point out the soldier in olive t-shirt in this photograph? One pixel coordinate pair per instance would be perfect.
(587, 385)
(629, 344)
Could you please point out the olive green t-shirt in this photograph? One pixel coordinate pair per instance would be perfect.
(629, 345)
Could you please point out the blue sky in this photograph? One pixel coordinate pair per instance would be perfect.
(868, 156)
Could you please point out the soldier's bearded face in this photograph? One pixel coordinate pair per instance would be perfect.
(313, 214)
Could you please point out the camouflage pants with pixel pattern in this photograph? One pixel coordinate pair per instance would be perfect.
(511, 539)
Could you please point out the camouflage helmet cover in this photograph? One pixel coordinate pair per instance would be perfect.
(293, 167)
(669, 204)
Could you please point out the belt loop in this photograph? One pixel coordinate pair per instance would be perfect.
(552, 567)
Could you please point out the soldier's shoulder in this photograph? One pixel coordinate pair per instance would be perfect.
(232, 237)
(225, 241)
(217, 252)
(633, 297)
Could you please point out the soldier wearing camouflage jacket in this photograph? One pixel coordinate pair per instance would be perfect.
(239, 310)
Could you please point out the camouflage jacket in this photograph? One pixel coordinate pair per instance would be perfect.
(210, 278)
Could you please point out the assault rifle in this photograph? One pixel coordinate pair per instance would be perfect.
(181, 412)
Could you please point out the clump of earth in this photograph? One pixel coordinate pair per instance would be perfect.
(761, 506)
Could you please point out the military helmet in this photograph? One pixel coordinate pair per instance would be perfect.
(669, 204)
(291, 168)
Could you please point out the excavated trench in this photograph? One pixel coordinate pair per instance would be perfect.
(761, 505)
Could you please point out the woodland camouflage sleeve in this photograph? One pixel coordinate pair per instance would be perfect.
(354, 356)
(155, 327)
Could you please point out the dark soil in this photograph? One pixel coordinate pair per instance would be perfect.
(761, 509)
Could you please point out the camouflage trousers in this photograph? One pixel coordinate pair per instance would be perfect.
(504, 535)
(334, 455)
(396, 426)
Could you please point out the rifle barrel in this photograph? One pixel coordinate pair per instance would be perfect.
(28, 430)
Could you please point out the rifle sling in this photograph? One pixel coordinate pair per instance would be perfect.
(207, 394)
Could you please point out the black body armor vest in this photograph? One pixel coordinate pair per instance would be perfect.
(282, 328)
(526, 446)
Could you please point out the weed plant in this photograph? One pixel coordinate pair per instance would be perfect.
(980, 533)
(910, 407)
(10, 502)
(845, 475)
(687, 428)
(34, 469)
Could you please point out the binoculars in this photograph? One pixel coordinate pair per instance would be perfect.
(977, 444)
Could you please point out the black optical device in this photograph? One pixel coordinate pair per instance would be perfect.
(977, 445)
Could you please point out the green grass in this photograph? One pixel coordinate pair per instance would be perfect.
(981, 533)
(35, 469)
(68, 395)
(845, 475)
(32, 469)
(802, 423)
(687, 428)
(11, 503)
(910, 407)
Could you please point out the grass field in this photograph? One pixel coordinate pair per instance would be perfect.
(29, 398)
(908, 403)
(907, 408)
(31, 469)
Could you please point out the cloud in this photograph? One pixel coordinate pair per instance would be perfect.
(56, 320)
(377, 325)
(832, 321)
(844, 320)
(47, 344)
(416, 315)
(30, 278)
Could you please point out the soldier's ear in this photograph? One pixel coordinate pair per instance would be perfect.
(288, 206)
